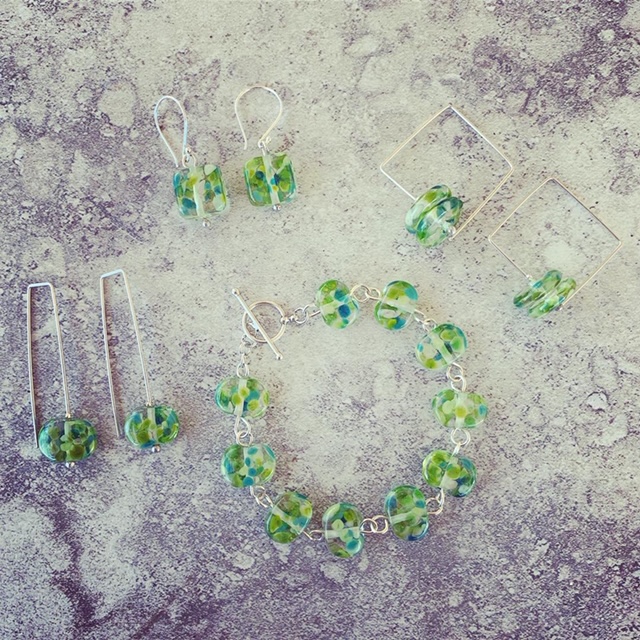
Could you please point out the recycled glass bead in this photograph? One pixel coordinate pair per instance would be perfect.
(288, 517)
(397, 305)
(149, 427)
(200, 191)
(545, 295)
(270, 180)
(538, 289)
(406, 509)
(341, 524)
(554, 298)
(455, 474)
(246, 466)
(433, 216)
(243, 396)
(67, 439)
(459, 409)
(336, 304)
(441, 346)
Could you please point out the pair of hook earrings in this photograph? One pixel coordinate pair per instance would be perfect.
(69, 439)
(435, 217)
(200, 189)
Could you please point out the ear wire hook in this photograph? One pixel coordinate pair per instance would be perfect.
(187, 154)
(65, 390)
(105, 336)
(264, 140)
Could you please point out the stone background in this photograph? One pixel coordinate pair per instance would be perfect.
(129, 545)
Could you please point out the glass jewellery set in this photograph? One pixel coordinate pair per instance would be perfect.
(251, 464)
(200, 189)
(69, 439)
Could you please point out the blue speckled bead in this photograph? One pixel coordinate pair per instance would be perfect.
(441, 346)
(336, 304)
(397, 305)
(459, 409)
(406, 509)
(455, 474)
(341, 524)
(245, 466)
(290, 514)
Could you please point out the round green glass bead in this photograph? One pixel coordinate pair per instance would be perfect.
(456, 475)
(459, 409)
(245, 466)
(152, 426)
(406, 509)
(434, 216)
(242, 396)
(443, 345)
(342, 532)
(288, 517)
(67, 439)
(538, 290)
(545, 295)
(336, 304)
(397, 305)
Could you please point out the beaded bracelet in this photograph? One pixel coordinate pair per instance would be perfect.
(406, 509)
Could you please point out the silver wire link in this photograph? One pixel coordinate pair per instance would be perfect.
(460, 438)
(455, 375)
(314, 534)
(261, 496)
(186, 154)
(363, 293)
(426, 323)
(243, 431)
(439, 501)
(242, 369)
(302, 315)
(263, 142)
(375, 525)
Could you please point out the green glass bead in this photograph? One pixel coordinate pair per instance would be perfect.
(341, 524)
(538, 289)
(545, 295)
(433, 216)
(200, 191)
(288, 517)
(456, 475)
(152, 426)
(245, 466)
(406, 509)
(397, 305)
(242, 396)
(67, 439)
(459, 409)
(441, 346)
(554, 298)
(336, 304)
(270, 180)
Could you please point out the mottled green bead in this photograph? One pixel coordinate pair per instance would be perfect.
(397, 305)
(242, 396)
(336, 304)
(67, 439)
(342, 522)
(152, 426)
(245, 466)
(288, 517)
(406, 509)
(433, 216)
(459, 409)
(546, 294)
(443, 345)
(200, 191)
(455, 474)
(270, 180)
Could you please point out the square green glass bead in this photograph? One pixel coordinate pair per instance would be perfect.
(200, 191)
(270, 180)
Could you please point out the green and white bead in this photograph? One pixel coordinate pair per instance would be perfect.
(546, 294)
(459, 409)
(67, 439)
(454, 474)
(246, 397)
(342, 522)
(443, 345)
(336, 304)
(245, 466)
(406, 508)
(200, 191)
(270, 179)
(149, 427)
(288, 517)
(397, 305)
(433, 216)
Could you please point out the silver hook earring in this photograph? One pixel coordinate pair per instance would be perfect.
(65, 439)
(199, 188)
(154, 424)
(269, 178)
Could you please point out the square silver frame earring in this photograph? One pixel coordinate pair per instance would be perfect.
(552, 291)
(435, 215)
